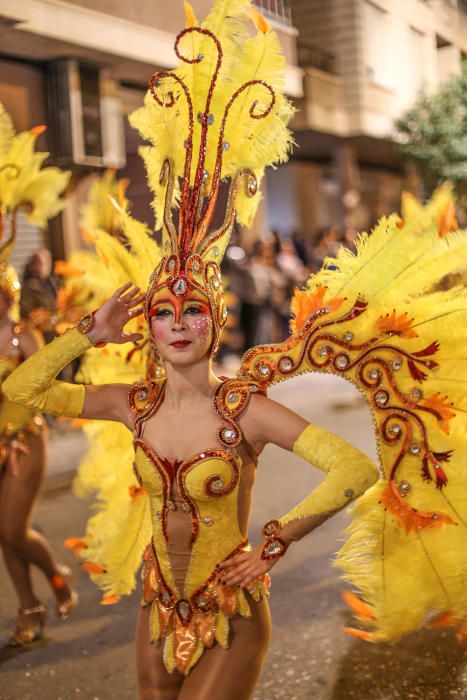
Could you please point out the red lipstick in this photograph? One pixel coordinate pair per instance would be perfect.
(181, 343)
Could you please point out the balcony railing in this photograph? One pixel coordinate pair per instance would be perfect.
(277, 10)
(310, 56)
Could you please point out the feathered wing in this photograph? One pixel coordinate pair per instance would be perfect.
(376, 319)
(120, 528)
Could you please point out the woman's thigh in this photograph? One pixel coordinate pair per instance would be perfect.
(232, 674)
(154, 681)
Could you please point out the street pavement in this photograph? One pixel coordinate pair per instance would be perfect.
(91, 655)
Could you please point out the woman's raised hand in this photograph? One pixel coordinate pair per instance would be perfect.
(111, 318)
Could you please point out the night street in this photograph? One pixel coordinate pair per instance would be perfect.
(91, 655)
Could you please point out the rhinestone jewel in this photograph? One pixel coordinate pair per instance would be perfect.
(381, 398)
(226, 145)
(171, 505)
(264, 370)
(224, 313)
(183, 609)
(196, 266)
(285, 364)
(205, 175)
(179, 287)
(229, 434)
(186, 508)
(342, 361)
(417, 393)
(165, 597)
(142, 395)
(200, 117)
(217, 485)
(415, 449)
(273, 549)
(210, 119)
(374, 374)
(323, 351)
(271, 528)
(348, 337)
(232, 397)
(349, 493)
(200, 56)
(202, 601)
(397, 363)
(215, 283)
(15, 341)
(171, 265)
(207, 520)
(395, 429)
(403, 487)
(215, 251)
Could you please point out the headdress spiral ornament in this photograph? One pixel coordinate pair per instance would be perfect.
(221, 115)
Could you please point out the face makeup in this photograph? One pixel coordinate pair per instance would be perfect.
(181, 325)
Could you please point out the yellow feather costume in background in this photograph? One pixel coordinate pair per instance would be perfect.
(120, 529)
(376, 319)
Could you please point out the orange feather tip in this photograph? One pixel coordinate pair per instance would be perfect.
(360, 634)
(410, 518)
(399, 324)
(443, 620)
(63, 268)
(259, 21)
(357, 606)
(79, 422)
(38, 130)
(93, 568)
(135, 491)
(447, 220)
(305, 303)
(75, 544)
(442, 407)
(110, 600)
(190, 17)
(88, 236)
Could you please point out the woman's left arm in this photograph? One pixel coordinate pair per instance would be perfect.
(349, 474)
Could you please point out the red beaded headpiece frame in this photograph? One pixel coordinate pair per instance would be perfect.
(192, 255)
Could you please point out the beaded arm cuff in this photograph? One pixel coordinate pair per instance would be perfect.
(274, 546)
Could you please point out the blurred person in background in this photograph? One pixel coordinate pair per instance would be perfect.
(327, 245)
(23, 437)
(301, 247)
(39, 289)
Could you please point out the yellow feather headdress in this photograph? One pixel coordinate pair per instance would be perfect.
(25, 185)
(220, 116)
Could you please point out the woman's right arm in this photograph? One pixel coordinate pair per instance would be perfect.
(33, 383)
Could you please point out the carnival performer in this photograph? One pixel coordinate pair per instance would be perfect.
(23, 435)
(371, 318)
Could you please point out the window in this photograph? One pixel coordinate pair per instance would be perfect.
(377, 48)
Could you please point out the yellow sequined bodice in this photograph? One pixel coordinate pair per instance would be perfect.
(199, 516)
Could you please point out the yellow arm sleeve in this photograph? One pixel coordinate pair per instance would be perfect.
(349, 474)
(33, 383)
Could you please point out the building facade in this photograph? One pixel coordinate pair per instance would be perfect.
(364, 63)
(98, 56)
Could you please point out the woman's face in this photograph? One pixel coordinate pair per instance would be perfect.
(182, 326)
